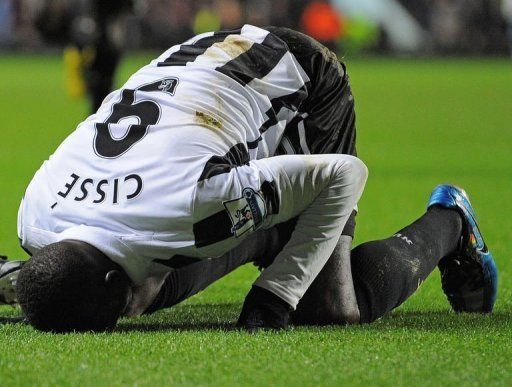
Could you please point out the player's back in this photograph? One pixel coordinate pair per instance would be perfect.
(132, 168)
(244, 84)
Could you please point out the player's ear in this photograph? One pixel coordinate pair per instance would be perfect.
(114, 277)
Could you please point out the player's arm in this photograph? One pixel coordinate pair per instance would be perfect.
(321, 190)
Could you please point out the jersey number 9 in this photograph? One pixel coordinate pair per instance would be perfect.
(146, 112)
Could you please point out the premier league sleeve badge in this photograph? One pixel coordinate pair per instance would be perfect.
(246, 213)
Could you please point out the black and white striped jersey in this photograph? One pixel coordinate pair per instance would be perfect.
(143, 179)
(259, 68)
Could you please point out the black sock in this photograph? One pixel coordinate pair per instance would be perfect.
(387, 272)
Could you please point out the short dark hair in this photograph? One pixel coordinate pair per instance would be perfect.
(63, 288)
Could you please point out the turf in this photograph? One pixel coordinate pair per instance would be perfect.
(421, 122)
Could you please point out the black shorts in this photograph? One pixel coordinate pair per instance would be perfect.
(327, 122)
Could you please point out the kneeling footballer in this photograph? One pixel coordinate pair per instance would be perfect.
(233, 147)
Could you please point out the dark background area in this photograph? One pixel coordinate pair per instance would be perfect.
(412, 27)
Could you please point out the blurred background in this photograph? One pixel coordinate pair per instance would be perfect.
(352, 27)
(94, 34)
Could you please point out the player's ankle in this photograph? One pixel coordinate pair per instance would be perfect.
(452, 220)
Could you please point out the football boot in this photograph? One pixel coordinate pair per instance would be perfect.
(469, 277)
(9, 271)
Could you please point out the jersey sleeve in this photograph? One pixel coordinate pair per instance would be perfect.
(229, 206)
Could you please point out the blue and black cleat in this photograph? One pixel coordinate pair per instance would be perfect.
(9, 271)
(469, 277)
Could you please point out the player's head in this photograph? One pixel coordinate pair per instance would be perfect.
(72, 286)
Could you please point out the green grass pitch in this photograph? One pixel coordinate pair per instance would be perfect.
(420, 122)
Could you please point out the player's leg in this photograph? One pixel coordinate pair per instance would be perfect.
(387, 272)
(322, 189)
(107, 53)
(328, 127)
(331, 298)
(184, 282)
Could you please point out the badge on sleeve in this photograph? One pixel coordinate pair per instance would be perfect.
(246, 213)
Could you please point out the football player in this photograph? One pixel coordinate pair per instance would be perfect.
(234, 146)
